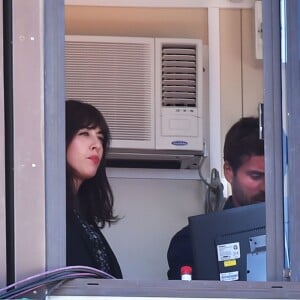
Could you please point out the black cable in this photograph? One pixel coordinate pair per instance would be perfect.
(214, 198)
(202, 159)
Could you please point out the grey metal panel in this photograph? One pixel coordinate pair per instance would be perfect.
(29, 166)
(2, 164)
(293, 111)
(273, 139)
(197, 289)
(55, 134)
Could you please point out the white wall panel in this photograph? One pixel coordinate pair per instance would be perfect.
(151, 211)
(29, 186)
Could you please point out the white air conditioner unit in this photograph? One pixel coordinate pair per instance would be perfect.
(148, 89)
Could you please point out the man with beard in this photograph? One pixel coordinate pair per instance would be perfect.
(244, 169)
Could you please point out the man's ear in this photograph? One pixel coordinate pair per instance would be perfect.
(228, 172)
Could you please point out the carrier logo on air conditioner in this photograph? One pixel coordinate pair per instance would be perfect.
(179, 143)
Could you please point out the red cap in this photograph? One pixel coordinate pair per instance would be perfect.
(186, 270)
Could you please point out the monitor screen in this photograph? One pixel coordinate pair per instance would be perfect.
(230, 244)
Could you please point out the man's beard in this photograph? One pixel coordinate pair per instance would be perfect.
(241, 199)
(258, 198)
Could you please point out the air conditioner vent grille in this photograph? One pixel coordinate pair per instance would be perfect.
(116, 78)
(179, 77)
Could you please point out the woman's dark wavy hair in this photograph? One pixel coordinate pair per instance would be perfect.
(95, 195)
(242, 141)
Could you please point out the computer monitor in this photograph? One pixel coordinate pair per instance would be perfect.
(230, 244)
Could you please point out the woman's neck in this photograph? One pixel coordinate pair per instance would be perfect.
(77, 184)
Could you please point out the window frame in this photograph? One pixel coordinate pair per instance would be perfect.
(54, 141)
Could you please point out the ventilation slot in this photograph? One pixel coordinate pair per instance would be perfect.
(116, 78)
(179, 75)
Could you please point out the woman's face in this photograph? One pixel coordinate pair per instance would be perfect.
(84, 154)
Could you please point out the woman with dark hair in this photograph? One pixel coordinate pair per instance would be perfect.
(89, 196)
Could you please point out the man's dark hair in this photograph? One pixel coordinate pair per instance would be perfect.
(242, 141)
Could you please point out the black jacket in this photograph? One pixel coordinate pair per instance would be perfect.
(79, 248)
(180, 251)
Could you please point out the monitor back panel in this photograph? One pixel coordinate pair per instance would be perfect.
(209, 232)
